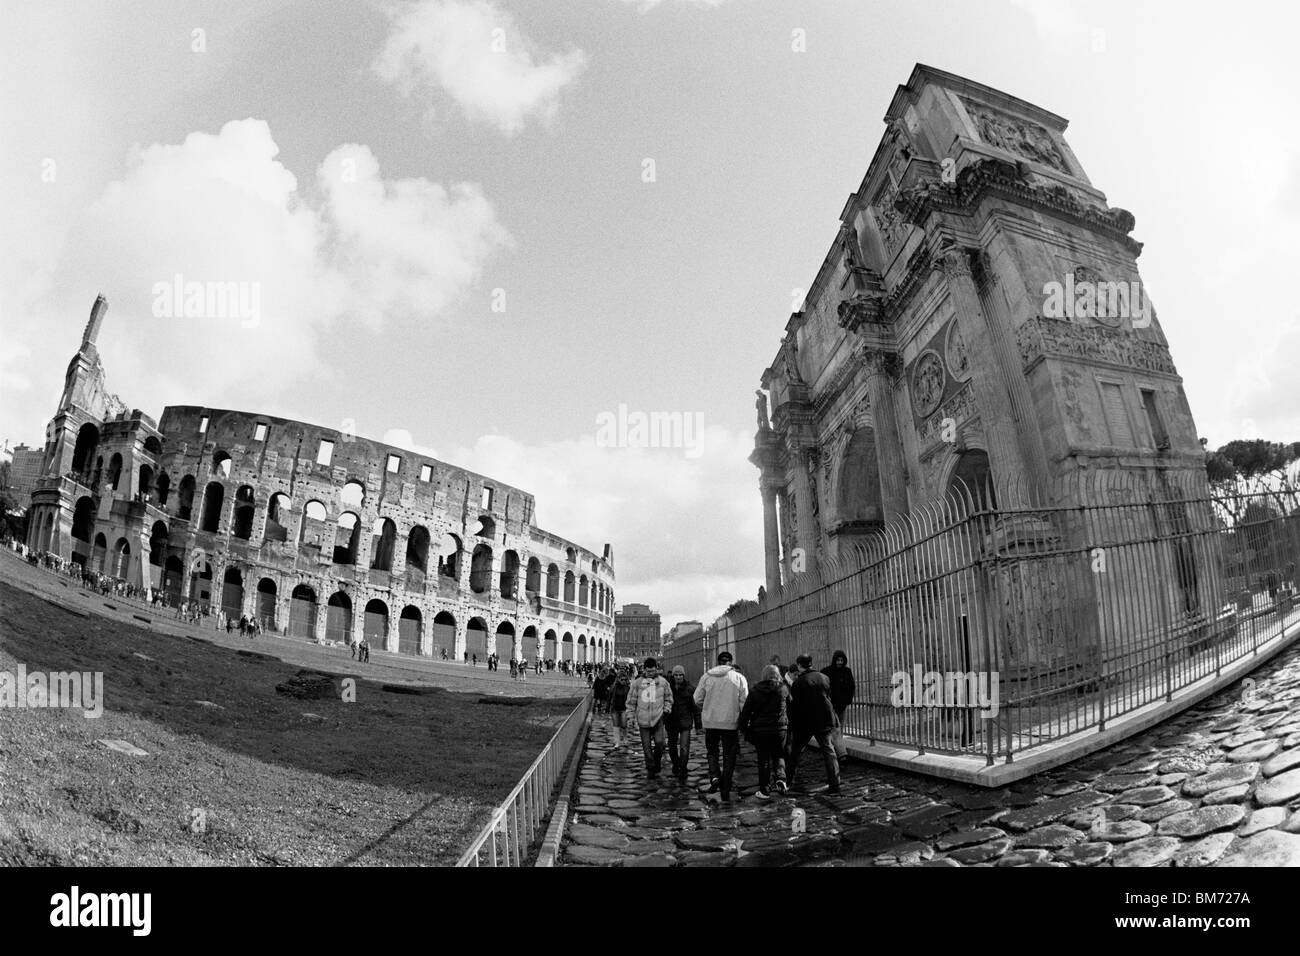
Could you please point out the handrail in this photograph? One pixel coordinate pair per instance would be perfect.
(516, 823)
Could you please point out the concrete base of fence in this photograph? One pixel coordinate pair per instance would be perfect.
(560, 815)
(974, 770)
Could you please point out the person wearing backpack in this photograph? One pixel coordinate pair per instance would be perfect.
(617, 703)
(648, 698)
(812, 717)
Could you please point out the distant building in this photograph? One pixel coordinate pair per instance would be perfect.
(683, 630)
(636, 632)
(24, 471)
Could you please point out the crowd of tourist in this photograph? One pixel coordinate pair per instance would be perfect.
(779, 716)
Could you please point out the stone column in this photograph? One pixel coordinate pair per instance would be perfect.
(426, 633)
(322, 617)
(890, 459)
(805, 530)
(461, 623)
(771, 536)
(993, 383)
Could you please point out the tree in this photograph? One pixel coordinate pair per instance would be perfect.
(1247, 470)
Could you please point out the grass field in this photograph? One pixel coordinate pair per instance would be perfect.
(259, 778)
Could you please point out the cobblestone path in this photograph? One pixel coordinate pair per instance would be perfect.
(1218, 784)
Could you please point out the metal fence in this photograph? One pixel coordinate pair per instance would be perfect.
(516, 825)
(994, 622)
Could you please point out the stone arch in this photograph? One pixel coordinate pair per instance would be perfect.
(476, 638)
(487, 527)
(444, 634)
(115, 469)
(201, 582)
(352, 494)
(529, 644)
(245, 506)
(173, 576)
(164, 489)
(347, 537)
(505, 641)
(970, 476)
(480, 569)
(533, 577)
(159, 538)
(221, 463)
(449, 557)
(99, 552)
(83, 521)
(232, 594)
(417, 558)
(302, 612)
(584, 591)
(121, 558)
(185, 498)
(409, 627)
(277, 517)
(566, 646)
(509, 584)
(552, 581)
(214, 496)
(83, 453)
(570, 587)
(338, 618)
(266, 594)
(858, 499)
(582, 648)
(383, 541)
(375, 624)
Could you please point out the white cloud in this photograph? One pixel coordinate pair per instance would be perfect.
(221, 208)
(478, 55)
(647, 5)
(682, 528)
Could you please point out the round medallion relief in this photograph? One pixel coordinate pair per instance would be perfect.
(955, 353)
(927, 383)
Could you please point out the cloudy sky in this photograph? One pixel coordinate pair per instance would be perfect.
(460, 247)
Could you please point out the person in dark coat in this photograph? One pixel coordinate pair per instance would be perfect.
(812, 717)
(679, 721)
(764, 721)
(842, 690)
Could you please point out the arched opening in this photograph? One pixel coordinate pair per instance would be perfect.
(302, 612)
(548, 646)
(375, 624)
(232, 594)
(201, 583)
(533, 578)
(164, 489)
(476, 638)
(417, 558)
(487, 528)
(449, 557)
(530, 648)
(480, 569)
(382, 541)
(338, 618)
(266, 592)
(121, 558)
(346, 538)
(158, 538)
(509, 574)
(213, 498)
(505, 643)
(221, 463)
(153, 446)
(277, 517)
(569, 587)
(146, 481)
(98, 553)
(173, 575)
(972, 480)
(571, 555)
(316, 529)
(353, 494)
(567, 646)
(245, 503)
(83, 522)
(408, 630)
(83, 453)
(583, 591)
(114, 469)
(552, 582)
(444, 633)
(582, 648)
(99, 472)
(185, 498)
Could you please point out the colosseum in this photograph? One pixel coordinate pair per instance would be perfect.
(265, 517)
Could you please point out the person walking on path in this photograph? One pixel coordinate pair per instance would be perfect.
(720, 696)
(812, 716)
(684, 715)
(764, 721)
(842, 690)
(648, 698)
(617, 704)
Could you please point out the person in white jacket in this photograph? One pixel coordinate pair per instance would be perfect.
(721, 695)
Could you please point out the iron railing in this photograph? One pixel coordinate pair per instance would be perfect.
(1073, 607)
(515, 826)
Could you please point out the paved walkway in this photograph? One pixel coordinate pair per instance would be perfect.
(1218, 784)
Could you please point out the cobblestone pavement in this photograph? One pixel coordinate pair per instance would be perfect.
(1218, 784)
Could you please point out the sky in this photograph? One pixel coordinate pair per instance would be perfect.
(481, 228)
